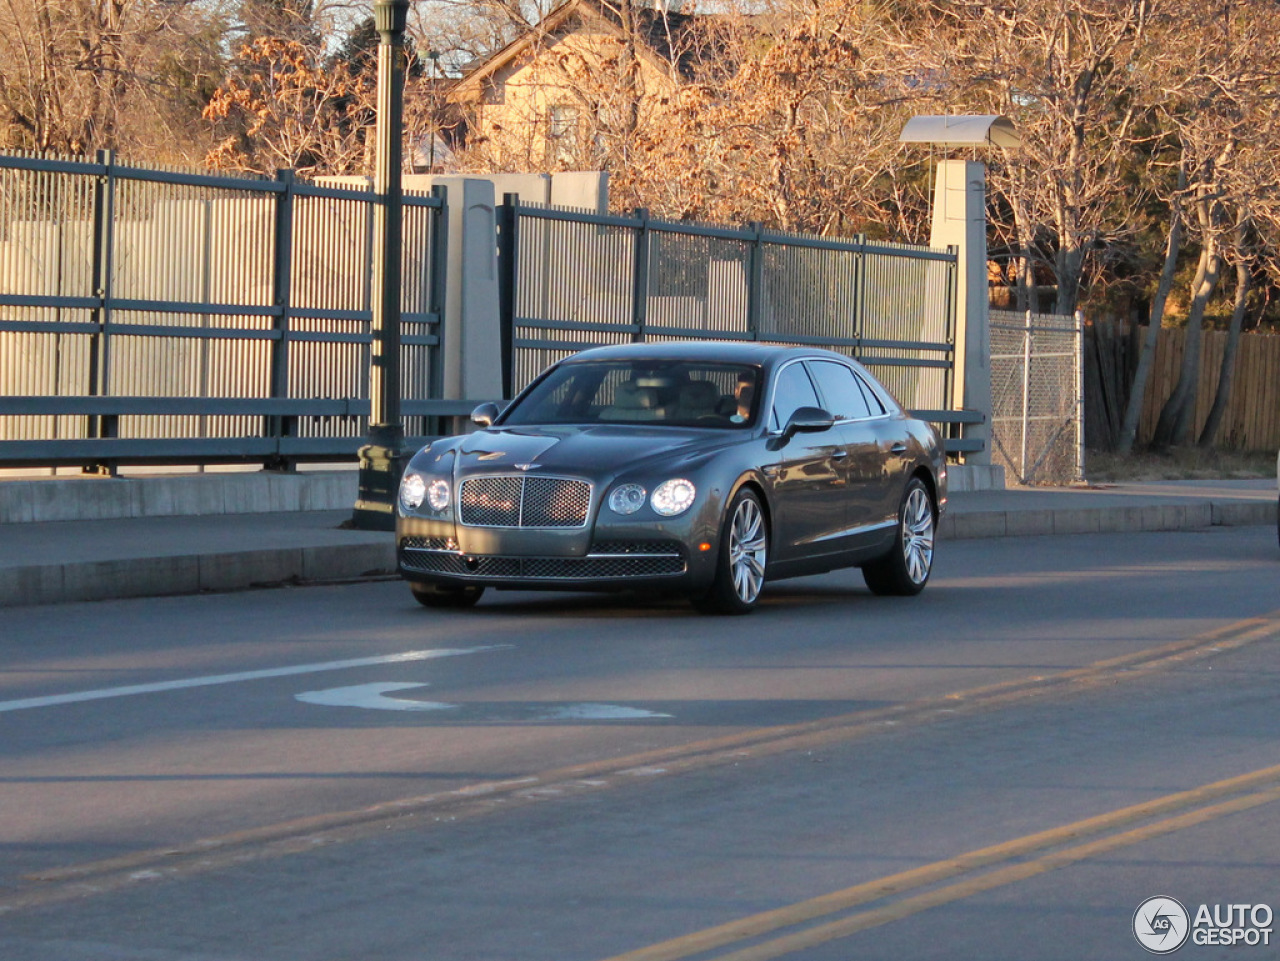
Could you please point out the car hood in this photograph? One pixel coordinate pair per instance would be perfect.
(602, 450)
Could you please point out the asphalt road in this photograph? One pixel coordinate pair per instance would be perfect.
(1007, 766)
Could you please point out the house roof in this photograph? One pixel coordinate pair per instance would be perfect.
(656, 28)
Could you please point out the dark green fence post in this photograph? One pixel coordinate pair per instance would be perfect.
(508, 274)
(439, 256)
(860, 298)
(640, 276)
(282, 299)
(104, 194)
(755, 279)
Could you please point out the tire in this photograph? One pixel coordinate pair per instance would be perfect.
(743, 560)
(905, 570)
(437, 595)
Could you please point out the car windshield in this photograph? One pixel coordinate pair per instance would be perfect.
(675, 393)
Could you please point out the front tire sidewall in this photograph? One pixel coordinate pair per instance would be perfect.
(727, 595)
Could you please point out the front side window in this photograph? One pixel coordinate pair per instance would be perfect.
(792, 390)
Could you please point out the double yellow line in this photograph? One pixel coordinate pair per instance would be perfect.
(1011, 861)
(489, 797)
(1182, 810)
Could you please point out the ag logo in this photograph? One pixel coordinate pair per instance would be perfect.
(1161, 925)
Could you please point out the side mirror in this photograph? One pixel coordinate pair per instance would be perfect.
(808, 420)
(484, 415)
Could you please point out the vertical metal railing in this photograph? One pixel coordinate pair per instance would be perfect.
(572, 279)
(121, 281)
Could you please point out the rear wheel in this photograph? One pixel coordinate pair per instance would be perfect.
(744, 557)
(905, 569)
(438, 595)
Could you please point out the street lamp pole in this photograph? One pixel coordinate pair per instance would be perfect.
(380, 458)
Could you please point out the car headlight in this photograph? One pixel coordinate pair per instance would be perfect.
(438, 494)
(627, 499)
(673, 497)
(413, 490)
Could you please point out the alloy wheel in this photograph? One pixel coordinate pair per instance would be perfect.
(748, 550)
(917, 535)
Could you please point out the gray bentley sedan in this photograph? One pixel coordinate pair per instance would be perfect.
(704, 469)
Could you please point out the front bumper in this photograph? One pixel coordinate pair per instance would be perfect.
(429, 552)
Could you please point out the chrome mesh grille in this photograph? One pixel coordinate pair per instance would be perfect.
(428, 544)
(638, 547)
(520, 501)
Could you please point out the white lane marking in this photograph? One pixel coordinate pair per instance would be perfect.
(132, 689)
(599, 712)
(372, 696)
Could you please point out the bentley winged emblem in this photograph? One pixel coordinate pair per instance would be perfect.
(527, 466)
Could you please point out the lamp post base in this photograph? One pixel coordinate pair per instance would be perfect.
(381, 465)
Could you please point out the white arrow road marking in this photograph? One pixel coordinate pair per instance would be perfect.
(54, 699)
(599, 712)
(371, 696)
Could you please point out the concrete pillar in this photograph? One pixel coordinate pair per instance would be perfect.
(960, 220)
(472, 332)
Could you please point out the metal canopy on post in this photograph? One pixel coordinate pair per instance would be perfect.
(962, 131)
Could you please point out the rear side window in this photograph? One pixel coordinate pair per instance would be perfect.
(841, 390)
(873, 399)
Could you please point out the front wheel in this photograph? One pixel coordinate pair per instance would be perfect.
(905, 569)
(437, 595)
(744, 556)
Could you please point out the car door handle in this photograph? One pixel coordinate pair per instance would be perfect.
(839, 454)
(898, 449)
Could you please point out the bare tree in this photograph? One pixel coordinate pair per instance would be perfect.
(1059, 69)
(1220, 98)
(78, 75)
(284, 108)
(1146, 356)
(1226, 374)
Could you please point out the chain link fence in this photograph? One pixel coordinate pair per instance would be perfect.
(1037, 424)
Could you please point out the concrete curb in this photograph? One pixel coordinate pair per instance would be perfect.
(162, 553)
(959, 525)
(75, 582)
(179, 495)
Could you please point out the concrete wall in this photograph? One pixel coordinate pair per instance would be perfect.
(99, 498)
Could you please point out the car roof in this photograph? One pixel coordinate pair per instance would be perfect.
(724, 351)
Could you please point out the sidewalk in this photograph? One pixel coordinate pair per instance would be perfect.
(190, 539)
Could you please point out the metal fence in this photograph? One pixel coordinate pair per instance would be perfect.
(1037, 424)
(170, 316)
(574, 279)
(166, 316)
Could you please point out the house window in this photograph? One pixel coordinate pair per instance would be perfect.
(562, 135)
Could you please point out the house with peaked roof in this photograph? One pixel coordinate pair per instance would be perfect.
(588, 71)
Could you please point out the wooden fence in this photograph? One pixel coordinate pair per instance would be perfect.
(1252, 421)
